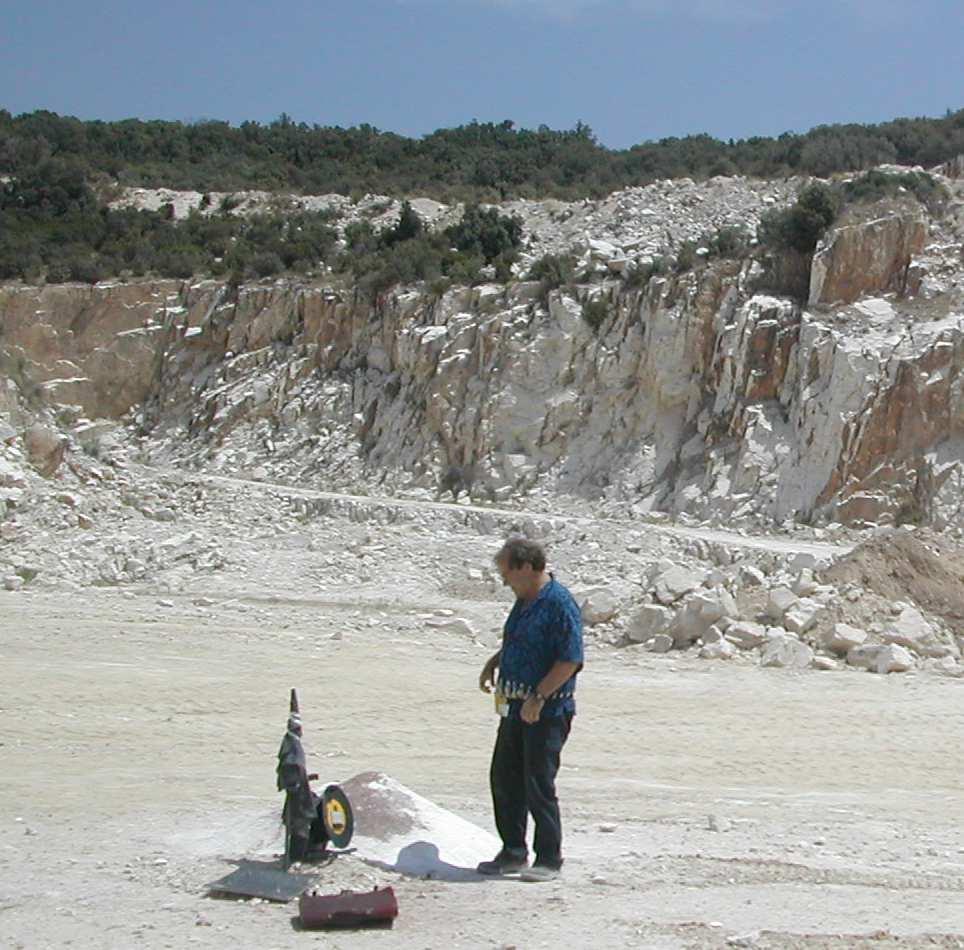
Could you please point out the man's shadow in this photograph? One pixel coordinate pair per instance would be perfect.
(422, 859)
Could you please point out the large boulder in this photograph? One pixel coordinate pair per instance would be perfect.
(599, 605)
(699, 612)
(802, 615)
(745, 634)
(779, 601)
(786, 651)
(912, 630)
(843, 638)
(45, 449)
(864, 656)
(675, 583)
(893, 659)
(649, 621)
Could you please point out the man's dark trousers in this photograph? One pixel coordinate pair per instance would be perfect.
(523, 780)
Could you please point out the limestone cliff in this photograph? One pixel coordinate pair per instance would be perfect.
(697, 393)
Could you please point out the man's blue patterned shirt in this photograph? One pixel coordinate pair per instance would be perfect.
(537, 635)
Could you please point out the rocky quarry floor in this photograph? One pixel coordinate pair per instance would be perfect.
(768, 751)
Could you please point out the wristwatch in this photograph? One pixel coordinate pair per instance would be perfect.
(539, 696)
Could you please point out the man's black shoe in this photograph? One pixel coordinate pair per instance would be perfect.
(505, 862)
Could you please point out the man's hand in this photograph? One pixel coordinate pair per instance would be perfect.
(531, 709)
(487, 676)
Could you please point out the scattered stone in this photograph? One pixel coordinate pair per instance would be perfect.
(745, 634)
(843, 638)
(912, 630)
(599, 606)
(802, 561)
(744, 940)
(712, 634)
(751, 576)
(787, 652)
(802, 615)
(45, 449)
(649, 621)
(676, 582)
(456, 625)
(804, 585)
(893, 659)
(718, 650)
(865, 656)
(779, 601)
(661, 643)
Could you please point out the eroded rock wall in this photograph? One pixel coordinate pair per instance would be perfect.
(696, 394)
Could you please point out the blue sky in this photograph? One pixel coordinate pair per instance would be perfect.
(633, 70)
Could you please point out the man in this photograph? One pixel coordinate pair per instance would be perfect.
(537, 664)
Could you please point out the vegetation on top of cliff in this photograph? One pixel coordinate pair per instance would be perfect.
(818, 206)
(474, 162)
(792, 234)
(800, 226)
(54, 228)
(407, 252)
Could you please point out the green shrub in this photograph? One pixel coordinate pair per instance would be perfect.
(179, 262)
(267, 264)
(728, 242)
(640, 275)
(800, 226)
(408, 227)
(685, 257)
(595, 313)
(876, 184)
(553, 270)
(360, 237)
(439, 287)
(503, 267)
(485, 232)
(465, 269)
(85, 268)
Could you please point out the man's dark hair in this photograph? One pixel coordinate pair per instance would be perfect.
(518, 551)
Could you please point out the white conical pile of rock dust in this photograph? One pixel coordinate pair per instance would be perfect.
(397, 829)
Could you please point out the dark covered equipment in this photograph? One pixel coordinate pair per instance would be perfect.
(311, 821)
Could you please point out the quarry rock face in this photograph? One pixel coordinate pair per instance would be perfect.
(866, 259)
(698, 394)
(92, 347)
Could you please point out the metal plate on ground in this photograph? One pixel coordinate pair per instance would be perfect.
(339, 821)
(257, 880)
